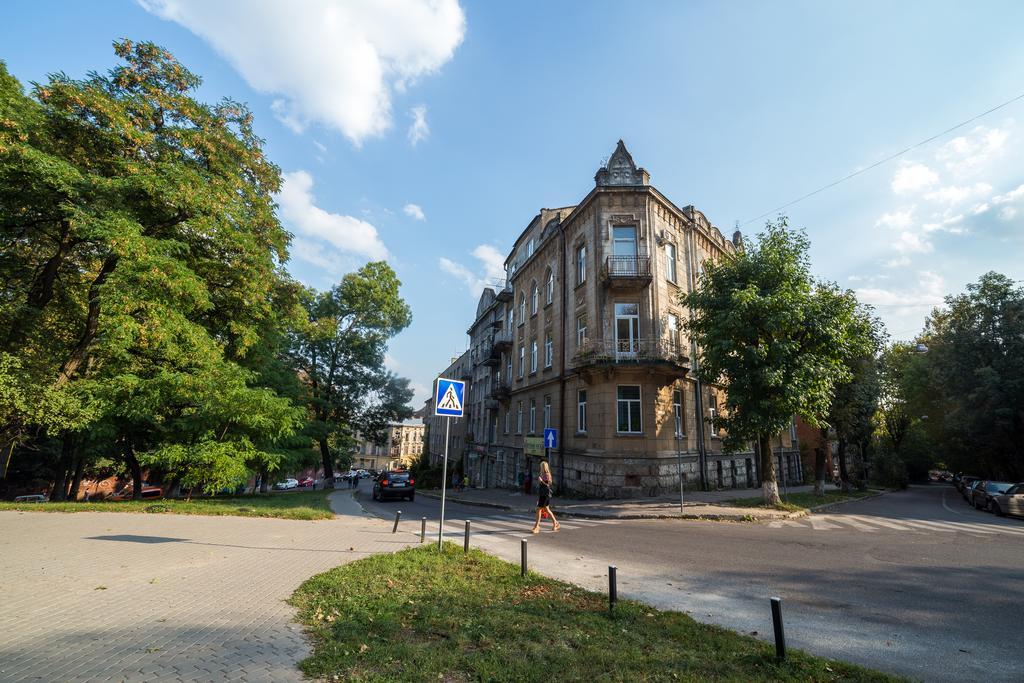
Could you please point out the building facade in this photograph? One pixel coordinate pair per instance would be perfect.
(404, 443)
(586, 337)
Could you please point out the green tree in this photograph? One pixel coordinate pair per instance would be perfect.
(774, 337)
(139, 251)
(339, 354)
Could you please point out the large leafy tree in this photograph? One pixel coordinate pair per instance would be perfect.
(774, 337)
(339, 354)
(975, 371)
(139, 258)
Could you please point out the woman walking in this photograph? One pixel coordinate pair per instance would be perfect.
(544, 500)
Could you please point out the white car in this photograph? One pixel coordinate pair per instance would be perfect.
(287, 484)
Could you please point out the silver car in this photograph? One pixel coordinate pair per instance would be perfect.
(1009, 503)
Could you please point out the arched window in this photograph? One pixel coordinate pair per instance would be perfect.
(522, 308)
(533, 300)
(549, 286)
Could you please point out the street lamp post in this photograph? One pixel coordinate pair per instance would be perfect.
(679, 462)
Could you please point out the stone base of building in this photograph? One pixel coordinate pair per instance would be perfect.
(623, 477)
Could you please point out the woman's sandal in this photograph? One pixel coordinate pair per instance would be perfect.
(535, 530)
(557, 527)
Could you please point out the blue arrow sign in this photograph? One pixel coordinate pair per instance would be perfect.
(448, 399)
(550, 438)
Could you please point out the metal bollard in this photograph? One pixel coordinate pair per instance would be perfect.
(398, 516)
(465, 541)
(423, 530)
(522, 560)
(780, 634)
(613, 593)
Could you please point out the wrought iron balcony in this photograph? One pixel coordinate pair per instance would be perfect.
(501, 390)
(623, 272)
(504, 293)
(502, 341)
(612, 352)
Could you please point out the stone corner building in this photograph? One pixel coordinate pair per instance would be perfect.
(586, 337)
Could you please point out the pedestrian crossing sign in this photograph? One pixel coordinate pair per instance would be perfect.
(448, 398)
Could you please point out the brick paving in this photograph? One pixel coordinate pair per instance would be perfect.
(156, 597)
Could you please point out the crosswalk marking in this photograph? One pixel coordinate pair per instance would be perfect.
(821, 524)
(898, 526)
(860, 526)
(868, 524)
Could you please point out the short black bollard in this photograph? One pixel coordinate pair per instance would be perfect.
(780, 634)
(522, 560)
(465, 541)
(613, 593)
(398, 516)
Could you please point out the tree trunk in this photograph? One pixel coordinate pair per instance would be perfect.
(769, 485)
(76, 481)
(92, 323)
(136, 470)
(844, 476)
(7, 442)
(264, 485)
(325, 454)
(819, 471)
(60, 485)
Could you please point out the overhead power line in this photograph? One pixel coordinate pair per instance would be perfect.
(887, 159)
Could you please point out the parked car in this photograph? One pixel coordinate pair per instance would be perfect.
(395, 484)
(981, 494)
(287, 484)
(1009, 503)
(307, 483)
(32, 498)
(968, 485)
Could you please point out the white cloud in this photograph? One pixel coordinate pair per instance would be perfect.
(491, 263)
(1008, 213)
(966, 153)
(913, 178)
(419, 129)
(906, 308)
(953, 194)
(303, 217)
(911, 241)
(329, 62)
(898, 262)
(1012, 196)
(898, 220)
(415, 211)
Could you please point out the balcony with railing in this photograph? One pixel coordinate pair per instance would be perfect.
(502, 341)
(504, 293)
(614, 352)
(500, 390)
(626, 272)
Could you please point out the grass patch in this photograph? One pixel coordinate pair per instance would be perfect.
(304, 505)
(420, 615)
(795, 502)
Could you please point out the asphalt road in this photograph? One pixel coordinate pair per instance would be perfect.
(915, 583)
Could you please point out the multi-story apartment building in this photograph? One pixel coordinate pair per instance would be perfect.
(404, 443)
(587, 337)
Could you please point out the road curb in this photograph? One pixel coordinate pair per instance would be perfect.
(828, 506)
(640, 515)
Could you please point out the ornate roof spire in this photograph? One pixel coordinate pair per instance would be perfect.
(621, 170)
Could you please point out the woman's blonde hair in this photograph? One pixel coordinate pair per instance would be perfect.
(545, 468)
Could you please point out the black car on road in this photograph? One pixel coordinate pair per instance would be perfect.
(396, 484)
(981, 494)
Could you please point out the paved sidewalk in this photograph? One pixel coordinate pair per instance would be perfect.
(697, 504)
(156, 597)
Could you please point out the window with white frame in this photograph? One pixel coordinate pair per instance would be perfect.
(547, 411)
(581, 410)
(533, 299)
(507, 420)
(533, 356)
(522, 309)
(670, 262)
(581, 264)
(581, 330)
(519, 418)
(510, 316)
(549, 287)
(522, 361)
(672, 331)
(533, 415)
(677, 411)
(530, 247)
(549, 350)
(628, 405)
(508, 369)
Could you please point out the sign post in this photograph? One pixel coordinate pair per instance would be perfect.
(550, 441)
(448, 403)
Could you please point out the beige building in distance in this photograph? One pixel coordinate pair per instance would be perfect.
(403, 445)
(586, 337)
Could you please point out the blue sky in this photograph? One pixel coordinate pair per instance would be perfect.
(482, 113)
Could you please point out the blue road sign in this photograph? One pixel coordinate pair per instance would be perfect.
(550, 438)
(448, 399)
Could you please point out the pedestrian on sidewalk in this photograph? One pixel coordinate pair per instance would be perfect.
(544, 499)
(465, 482)
(455, 481)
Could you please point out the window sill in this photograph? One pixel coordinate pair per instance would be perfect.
(630, 435)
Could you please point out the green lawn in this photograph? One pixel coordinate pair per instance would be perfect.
(796, 502)
(419, 615)
(299, 505)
